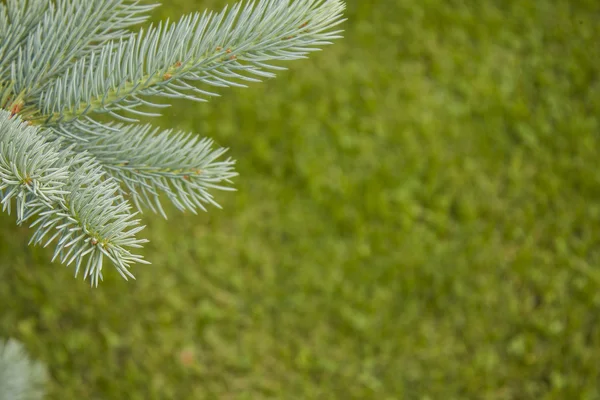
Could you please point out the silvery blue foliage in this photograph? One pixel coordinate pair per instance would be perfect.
(81, 182)
(20, 377)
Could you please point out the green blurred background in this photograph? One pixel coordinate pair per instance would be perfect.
(417, 217)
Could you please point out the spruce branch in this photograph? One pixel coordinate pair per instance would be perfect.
(149, 163)
(92, 222)
(64, 62)
(32, 171)
(169, 60)
(71, 196)
(69, 30)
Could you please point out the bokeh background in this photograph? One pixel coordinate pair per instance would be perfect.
(417, 216)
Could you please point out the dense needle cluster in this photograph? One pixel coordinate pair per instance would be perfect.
(80, 181)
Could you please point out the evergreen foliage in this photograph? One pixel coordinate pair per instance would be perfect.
(20, 377)
(79, 180)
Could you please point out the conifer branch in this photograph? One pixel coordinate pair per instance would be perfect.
(71, 196)
(221, 49)
(78, 27)
(32, 171)
(149, 163)
(63, 62)
(92, 222)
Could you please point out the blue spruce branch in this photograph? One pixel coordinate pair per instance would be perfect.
(63, 63)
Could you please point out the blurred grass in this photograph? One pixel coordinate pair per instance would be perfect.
(416, 218)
